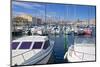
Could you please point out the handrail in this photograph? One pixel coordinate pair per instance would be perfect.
(82, 54)
(23, 57)
(21, 53)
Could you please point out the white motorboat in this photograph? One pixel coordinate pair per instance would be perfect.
(80, 31)
(30, 50)
(81, 51)
(75, 30)
(55, 30)
(33, 30)
(37, 30)
(66, 30)
(49, 27)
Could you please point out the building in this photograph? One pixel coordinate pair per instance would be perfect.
(21, 21)
(29, 18)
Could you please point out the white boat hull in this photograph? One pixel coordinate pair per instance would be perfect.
(32, 56)
(40, 58)
(80, 53)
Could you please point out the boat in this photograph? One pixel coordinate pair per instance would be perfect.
(17, 31)
(81, 51)
(37, 30)
(87, 31)
(49, 27)
(83, 31)
(75, 30)
(67, 30)
(80, 31)
(29, 50)
(55, 30)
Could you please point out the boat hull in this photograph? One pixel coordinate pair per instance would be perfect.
(40, 58)
(80, 53)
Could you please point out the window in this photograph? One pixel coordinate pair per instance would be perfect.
(25, 45)
(14, 45)
(37, 45)
(46, 45)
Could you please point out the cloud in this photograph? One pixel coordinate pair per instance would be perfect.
(22, 4)
(30, 8)
(29, 5)
(16, 13)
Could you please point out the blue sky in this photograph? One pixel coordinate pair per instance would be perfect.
(67, 12)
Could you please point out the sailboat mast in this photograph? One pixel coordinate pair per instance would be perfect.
(88, 16)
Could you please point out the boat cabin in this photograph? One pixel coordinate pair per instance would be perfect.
(37, 43)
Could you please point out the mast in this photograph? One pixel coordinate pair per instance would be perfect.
(88, 15)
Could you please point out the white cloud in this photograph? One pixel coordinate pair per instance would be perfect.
(16, 13)
(28, 5)
(22, 4)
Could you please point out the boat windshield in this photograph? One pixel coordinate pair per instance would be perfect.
(15, 45)
(46, 45)
(37, 45)
(25, 45)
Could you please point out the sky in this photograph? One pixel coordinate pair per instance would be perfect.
(55, 11)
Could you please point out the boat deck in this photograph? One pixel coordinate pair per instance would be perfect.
(81, 53)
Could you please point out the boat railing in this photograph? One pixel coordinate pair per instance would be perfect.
(22, 55)
(83, 54)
